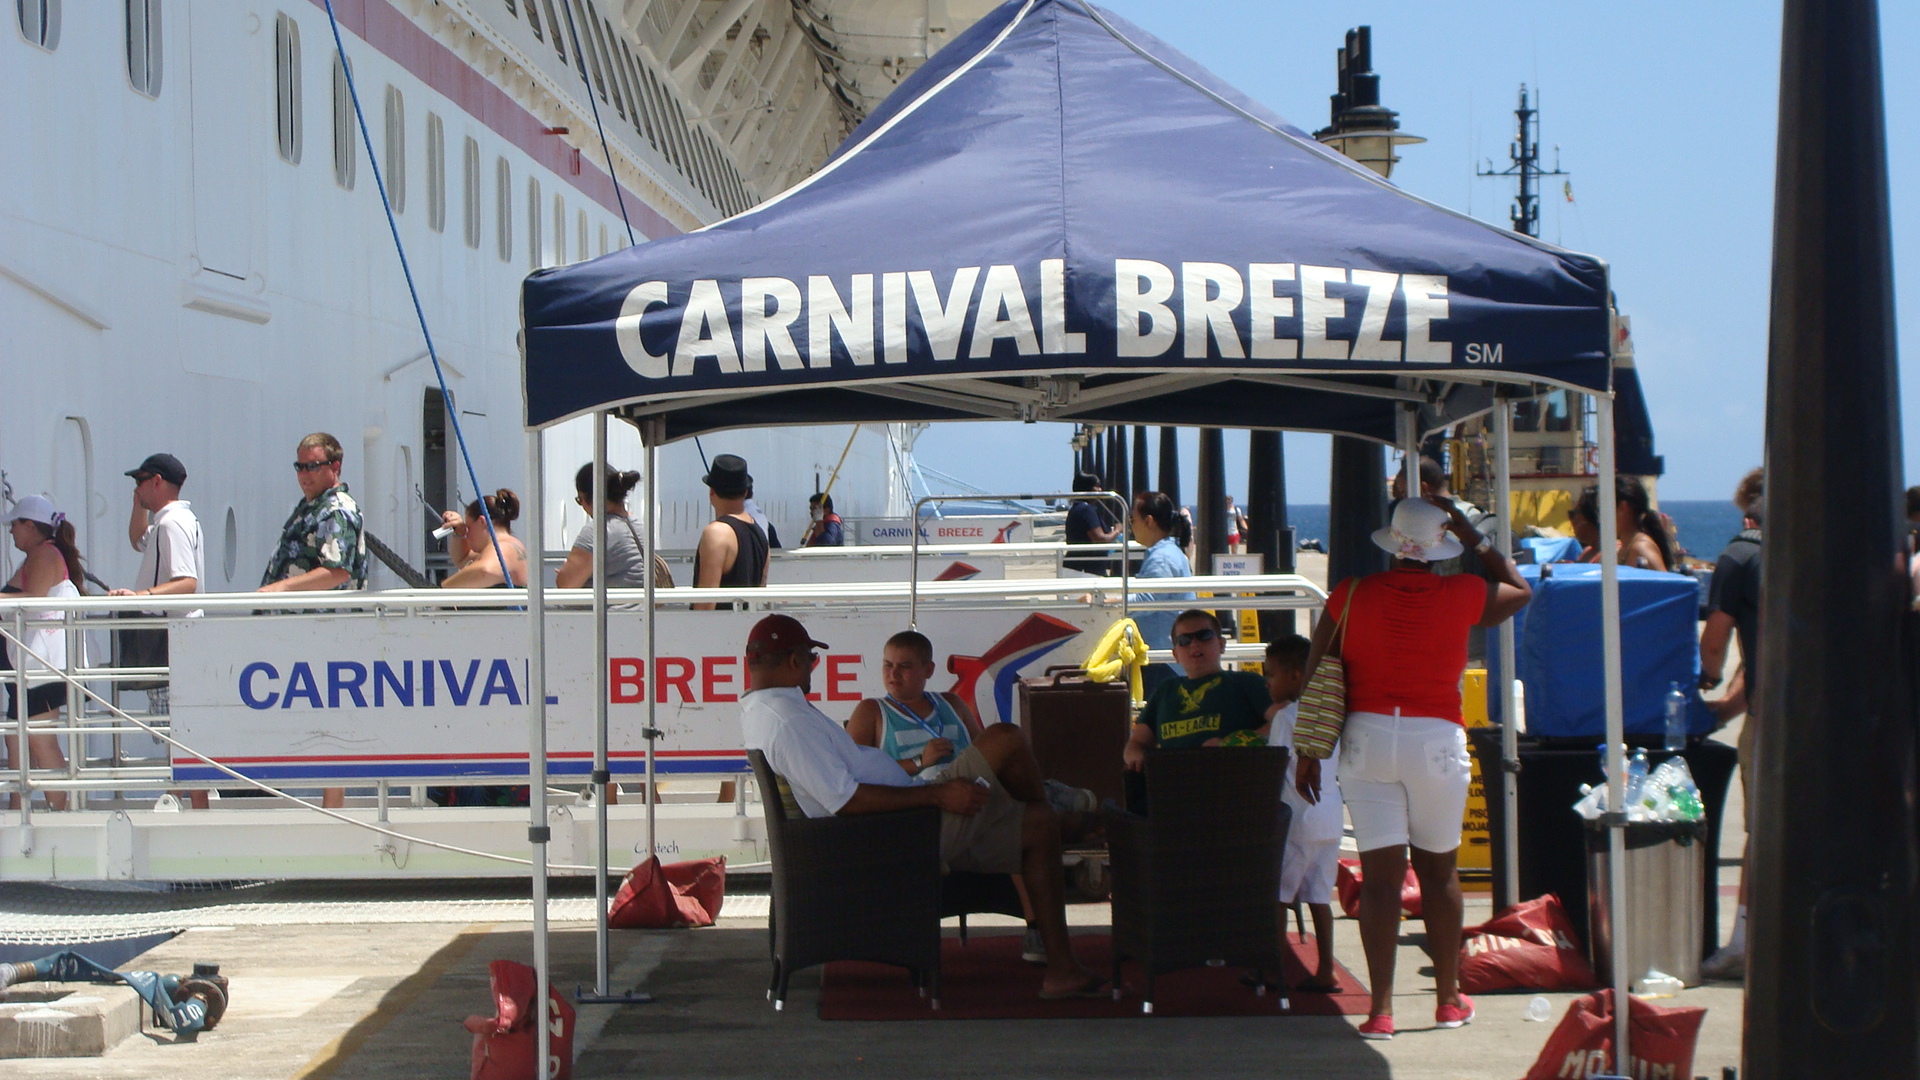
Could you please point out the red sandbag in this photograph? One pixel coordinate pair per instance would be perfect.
(656, 897)
(1661, 1038)
(1529, 946)
(1346, 882)
(506, 1044)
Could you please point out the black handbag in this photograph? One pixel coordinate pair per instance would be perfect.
(144, 647)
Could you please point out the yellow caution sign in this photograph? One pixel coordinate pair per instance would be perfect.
(1476, 842)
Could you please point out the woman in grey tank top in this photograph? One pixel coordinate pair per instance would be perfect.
(625, 551)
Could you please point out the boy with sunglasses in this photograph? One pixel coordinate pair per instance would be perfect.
(1208, 706)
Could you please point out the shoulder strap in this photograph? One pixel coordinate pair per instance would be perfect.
(1339, 646)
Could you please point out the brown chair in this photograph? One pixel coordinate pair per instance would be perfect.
(1199, 880)
(863, 887)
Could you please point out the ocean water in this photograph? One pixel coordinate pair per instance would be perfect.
(1703, 526)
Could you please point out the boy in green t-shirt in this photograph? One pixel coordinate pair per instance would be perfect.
(1209, 706)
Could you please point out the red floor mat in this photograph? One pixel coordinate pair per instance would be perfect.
(985, 979)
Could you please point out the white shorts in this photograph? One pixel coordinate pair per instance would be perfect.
(1306, 874)
(1405, 780)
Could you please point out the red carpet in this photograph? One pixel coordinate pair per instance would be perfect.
(985, 979)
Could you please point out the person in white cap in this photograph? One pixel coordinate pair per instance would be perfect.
(52, 568)
(1404, 767)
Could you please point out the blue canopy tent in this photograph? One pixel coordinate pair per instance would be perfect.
(1059, 217)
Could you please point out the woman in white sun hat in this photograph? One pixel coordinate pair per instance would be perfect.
(51, 568)
(1403, 750)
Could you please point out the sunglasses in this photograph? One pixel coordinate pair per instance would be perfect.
(311, 466)
(1203, 634)
(141, 478)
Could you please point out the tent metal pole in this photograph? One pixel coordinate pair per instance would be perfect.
(602, 946)
(1616, 817)
(538, 832)
(1509, 719)
(651, 435)
(1410, 448)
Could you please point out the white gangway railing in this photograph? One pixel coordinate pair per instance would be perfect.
(101, 772)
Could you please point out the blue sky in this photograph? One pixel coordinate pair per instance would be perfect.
(1664, 114)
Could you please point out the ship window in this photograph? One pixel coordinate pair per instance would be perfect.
(595, 49)
(40, 22)
(559, 46)
(580, 221)
(511, 9)
(602, 34)
(286, 86)
(470, 175)
(143, 46)
(642, 117)
(436, 174)
(396, 150)
(603, 238)
(533, 19)
(559, 231)
(503, 182)
(533, 223)
(346, 154)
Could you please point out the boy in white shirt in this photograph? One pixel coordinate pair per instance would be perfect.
(1313, 840)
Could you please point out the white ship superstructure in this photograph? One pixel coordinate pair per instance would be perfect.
(194, 256)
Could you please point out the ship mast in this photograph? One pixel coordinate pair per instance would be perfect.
(1524, 152)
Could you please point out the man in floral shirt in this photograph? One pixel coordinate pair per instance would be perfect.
(322, 546)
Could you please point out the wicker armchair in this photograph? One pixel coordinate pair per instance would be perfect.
(1199, 880)
(865, 887)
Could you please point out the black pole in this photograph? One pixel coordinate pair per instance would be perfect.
(1116, 458)
(1098, 466)
(1266, 516)
(1357, 497)
(1170, 464)
(1831, 962)
(1210, 503)
(1121, 474)
(1141, 480)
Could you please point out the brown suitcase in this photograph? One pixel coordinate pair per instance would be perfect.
(1078, 729)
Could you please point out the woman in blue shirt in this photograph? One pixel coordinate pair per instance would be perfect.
(1153, 524)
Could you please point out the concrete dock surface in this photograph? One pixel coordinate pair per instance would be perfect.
(380, 1000)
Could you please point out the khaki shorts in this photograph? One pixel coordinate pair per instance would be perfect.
(989, 841)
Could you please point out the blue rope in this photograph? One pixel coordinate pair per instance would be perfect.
(453, 414)
(580, 59)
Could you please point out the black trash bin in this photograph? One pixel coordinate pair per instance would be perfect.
(1553, 846)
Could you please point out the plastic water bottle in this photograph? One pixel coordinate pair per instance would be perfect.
(1676, 717)
(1659, 984)
(1636, 775)
(1539, 1010)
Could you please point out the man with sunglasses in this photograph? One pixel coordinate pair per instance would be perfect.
(1208, 706)
(994, 816)
(323, 545)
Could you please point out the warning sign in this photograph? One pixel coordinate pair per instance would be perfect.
(1476, 842)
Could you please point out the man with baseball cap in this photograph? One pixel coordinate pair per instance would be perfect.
(733, 547)
(163, 529)
(994, 816)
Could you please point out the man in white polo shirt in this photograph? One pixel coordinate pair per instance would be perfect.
(994, 816)
(164, 530)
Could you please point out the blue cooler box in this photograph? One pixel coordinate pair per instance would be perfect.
(1558, 641)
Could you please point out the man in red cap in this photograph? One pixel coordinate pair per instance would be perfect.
(994, 816)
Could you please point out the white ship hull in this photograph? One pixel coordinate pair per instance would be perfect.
(172, 279)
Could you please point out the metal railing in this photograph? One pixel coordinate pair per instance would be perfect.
(85, 721)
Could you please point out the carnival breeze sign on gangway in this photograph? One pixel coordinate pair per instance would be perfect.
(1268, 311)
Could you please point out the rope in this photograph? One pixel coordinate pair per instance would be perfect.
(250, 781)
(580, 60)
(413, 291)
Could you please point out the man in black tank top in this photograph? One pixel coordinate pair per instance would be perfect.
(733, 550)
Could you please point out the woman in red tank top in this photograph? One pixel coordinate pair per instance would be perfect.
(1403, 753)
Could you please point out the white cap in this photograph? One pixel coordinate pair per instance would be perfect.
(1418, 532)
(35, 508)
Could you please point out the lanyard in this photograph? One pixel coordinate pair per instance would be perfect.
(932, 729)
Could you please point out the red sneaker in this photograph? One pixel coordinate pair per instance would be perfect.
(1379, 1028)
(1458, 1014)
